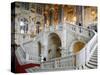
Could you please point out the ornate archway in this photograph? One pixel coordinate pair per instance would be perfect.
(78, 46)
(54, 44)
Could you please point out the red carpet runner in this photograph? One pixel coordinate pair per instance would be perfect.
(21, 68)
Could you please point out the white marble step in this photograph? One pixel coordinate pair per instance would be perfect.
(93, 58)
(46, 70)
(93, 61)
(94, 54)
(89, 66)
(92, 64)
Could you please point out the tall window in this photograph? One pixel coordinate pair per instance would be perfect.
(39, 9)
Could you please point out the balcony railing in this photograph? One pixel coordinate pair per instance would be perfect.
(60, 63)
(84, 55)
(81, 31)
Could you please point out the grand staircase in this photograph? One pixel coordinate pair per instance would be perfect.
(93, 62)
(86, 58)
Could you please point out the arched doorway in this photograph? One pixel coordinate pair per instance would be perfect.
(54, 44)
(77, 46)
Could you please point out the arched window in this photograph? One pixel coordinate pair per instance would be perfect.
(39, 9)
